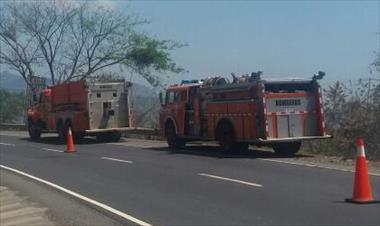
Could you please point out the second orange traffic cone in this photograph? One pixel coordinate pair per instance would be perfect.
(362, 187)
(70, 142)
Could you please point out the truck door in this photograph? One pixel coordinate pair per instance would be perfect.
(192, 114)
(176, 105)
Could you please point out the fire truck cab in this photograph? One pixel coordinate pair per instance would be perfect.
(276, 113)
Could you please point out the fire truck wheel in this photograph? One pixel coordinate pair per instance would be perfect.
(174, 142)
(63, 130)
(114, 137)
(288, 148)
(225, 137)
(108, 137)
(34, 130)
(242, 147)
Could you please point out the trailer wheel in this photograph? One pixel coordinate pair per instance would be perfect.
(174, 142)
(34, 130)
(288, 148)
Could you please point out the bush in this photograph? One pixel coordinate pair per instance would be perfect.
(351, 111)
(12, 106)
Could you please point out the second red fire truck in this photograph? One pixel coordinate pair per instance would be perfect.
(249, 110)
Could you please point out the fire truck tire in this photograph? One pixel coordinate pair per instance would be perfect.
(114, 137)
(288, 148)
(226, 138)
(108, 137)
(174, 142)
(34, 130)
(63, 130)
(242, 147)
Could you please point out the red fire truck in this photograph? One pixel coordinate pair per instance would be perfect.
(249, 110)
(88, 108)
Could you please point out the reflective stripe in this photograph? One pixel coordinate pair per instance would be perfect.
(360, 151)
(286, 112)
(360, 148)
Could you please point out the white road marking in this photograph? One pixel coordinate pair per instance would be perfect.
(7, 144)
(117, 160)
(317, 166)
(79, 196)
(49, 149)
(229, 179)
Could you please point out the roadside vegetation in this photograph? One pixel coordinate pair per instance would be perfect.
(352, 111)
(12, 106)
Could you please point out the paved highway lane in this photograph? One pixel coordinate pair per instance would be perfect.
(194, 187)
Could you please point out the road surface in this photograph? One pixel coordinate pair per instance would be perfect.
(198, 186)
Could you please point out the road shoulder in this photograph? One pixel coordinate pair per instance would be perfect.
(61, 208)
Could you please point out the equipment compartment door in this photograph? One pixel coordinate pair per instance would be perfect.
(291, 115)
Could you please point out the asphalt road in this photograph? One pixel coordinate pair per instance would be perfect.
(198, 186)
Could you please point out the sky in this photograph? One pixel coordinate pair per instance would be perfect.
(281, 38)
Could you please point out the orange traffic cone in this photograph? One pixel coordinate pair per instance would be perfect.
(362, 187)
(70, 142)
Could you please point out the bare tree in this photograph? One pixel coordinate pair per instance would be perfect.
(376, 63)
(48, 24)
(18, 51)
(77, 41)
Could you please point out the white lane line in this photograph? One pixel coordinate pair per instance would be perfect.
(291, 163)
(117, 160)
(232, 180)
(317, 166)
(49, 149)
(7, 144)
(79, 196)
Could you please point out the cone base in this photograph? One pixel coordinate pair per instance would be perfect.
(362, 202)
(70, 151)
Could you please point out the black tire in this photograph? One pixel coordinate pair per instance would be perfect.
(61, 132)
(34, 130)
(287, 148)
(174, 142)
(101, 137)
(226, 137)
(108, 137)
(78, 137)
(114, 136)
(242, 147)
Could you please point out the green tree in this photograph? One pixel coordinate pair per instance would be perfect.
(12, 106)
